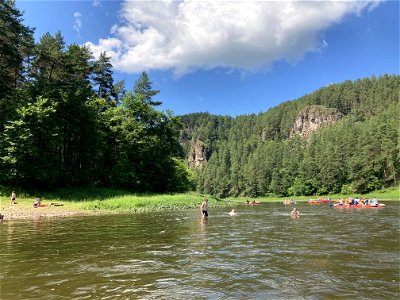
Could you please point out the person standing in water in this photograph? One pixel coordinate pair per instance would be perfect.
(295, 212)
(204, 208)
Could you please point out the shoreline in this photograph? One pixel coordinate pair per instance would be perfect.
(26, 213)
(30, 213)
(24, 209)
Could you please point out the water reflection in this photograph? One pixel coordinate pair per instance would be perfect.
(262, 253)
(203, 227)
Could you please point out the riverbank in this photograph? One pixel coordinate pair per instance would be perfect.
(86, 202)
(21, 212)
(68, 207)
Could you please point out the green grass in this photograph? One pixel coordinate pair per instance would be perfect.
(108, 200)
(111, 200)
(151, 202)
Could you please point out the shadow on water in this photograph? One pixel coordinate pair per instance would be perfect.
(260, 253)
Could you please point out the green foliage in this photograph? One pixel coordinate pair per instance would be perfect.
(16, 44)
(254, 156)
(102, 77)
(184, 179)
(66, 124)
(63, 123)
(145, 139)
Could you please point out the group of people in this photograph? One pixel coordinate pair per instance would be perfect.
(291, 201)
(36, 203)
(253, 202)
(204, 210)
(358, 201)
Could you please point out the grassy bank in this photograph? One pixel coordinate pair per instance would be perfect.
(100, 200)
(89, 201)
(152, 202)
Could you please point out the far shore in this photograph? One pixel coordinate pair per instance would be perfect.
(78, 205)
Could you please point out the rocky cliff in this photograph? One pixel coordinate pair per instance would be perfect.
(313, 117)
(197, 155)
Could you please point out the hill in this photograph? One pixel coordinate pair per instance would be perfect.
(341, 138)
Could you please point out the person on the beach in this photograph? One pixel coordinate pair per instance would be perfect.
(204, 208)
(13, 198)
(37, 202)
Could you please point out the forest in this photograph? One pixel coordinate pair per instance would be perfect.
(256, 155)
(64, 122)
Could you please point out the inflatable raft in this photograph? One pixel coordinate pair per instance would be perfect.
(380, 205)
(320, 201)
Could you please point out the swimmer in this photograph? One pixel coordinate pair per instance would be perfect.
(233, 213)
(295, 212)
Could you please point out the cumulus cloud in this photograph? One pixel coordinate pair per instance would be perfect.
(78, 22)
(240, 35)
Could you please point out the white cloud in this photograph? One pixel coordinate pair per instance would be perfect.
(78, 22)
(96, 3)
(243, 35)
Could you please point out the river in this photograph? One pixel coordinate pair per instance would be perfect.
(261, 253)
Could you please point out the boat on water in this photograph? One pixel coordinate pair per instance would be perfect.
(319, 201)
(337, 205)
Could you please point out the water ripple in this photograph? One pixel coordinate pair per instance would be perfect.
(261, 253)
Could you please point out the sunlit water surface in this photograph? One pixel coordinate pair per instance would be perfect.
(261, 253)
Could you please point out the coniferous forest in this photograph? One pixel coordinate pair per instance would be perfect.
(64, 122)
(258, 154)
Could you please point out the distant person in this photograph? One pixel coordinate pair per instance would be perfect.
(204, 208)
(232, 213)
(374, 201)
(295, 212)
(13, 198)
(36, 203)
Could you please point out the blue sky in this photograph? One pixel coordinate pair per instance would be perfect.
(229, 58)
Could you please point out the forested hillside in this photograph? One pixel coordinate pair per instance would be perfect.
(65, 123)
(357, 150)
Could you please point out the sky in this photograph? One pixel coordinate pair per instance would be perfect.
(229, 57)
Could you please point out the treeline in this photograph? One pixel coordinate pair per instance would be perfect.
(64, 122)
(254, 155)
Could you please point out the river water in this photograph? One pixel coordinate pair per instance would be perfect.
(261, 253)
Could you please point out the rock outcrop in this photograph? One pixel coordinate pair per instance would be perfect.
(313, 117)
(197, 155)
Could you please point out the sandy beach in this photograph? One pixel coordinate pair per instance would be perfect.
(22, 212)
